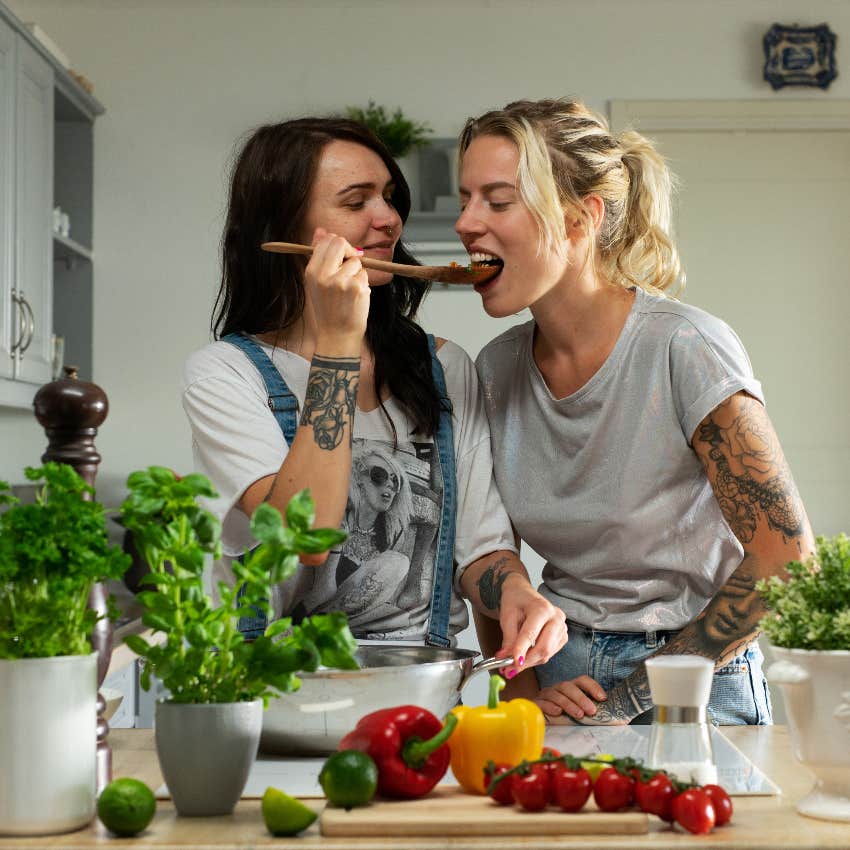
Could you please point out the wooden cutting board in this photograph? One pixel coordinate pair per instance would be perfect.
(447, 811)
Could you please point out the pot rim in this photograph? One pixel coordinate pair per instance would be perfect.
(335, 673)
(169, 701)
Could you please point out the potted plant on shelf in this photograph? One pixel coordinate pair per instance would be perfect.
(808, 628)
(401, 135)
(208, 729)
(51, 553)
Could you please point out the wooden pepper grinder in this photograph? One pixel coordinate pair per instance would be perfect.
(70, 411)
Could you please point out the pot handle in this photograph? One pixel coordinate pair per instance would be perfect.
(484, 666)
(787, 673)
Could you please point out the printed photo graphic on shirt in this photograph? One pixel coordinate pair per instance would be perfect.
(382, 575)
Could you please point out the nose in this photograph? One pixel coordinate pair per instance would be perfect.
(468, 223)
(386, 217)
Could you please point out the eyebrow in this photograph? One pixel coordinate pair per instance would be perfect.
(490, 187)
(352, 186)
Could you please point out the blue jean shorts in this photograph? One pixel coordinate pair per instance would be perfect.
(739, 694)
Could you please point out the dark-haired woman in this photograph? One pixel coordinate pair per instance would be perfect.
(315, 358)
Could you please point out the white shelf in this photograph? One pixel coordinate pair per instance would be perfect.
(67, 249)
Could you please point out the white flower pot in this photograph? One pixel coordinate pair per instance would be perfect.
(816, 690)
(206, 751)
(48, 742)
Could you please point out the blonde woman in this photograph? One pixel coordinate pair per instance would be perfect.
(631, 444)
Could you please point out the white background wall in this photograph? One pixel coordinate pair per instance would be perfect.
(182, 80)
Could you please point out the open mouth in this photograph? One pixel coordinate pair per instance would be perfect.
(480, 260)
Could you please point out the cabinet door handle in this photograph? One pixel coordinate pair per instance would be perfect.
(22, 322)
(26, 304)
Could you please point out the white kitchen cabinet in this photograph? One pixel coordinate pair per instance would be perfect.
(46, 157)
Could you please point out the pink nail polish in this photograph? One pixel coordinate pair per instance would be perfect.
(510, 674)
(521, 660)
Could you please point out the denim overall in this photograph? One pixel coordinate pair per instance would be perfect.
(284, 406)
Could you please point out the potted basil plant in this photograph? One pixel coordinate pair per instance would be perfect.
(208, 729)
(808, 628)
(51, 554)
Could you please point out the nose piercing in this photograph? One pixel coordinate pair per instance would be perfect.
(389, 230)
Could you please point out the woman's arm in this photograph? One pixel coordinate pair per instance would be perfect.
(750, 477)
(337, 291)
(531, 629)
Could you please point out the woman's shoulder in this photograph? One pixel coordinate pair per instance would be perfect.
(505, 346)
(676, 321)
(215, 360)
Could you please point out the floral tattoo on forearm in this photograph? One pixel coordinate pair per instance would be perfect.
(331, 398)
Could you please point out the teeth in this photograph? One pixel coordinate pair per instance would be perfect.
(478, 257)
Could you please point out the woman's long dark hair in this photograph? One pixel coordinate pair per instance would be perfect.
(261, 291)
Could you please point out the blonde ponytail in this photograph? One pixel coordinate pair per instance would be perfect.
(644, 253)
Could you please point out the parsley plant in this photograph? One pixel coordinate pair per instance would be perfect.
(51, 553)
(811, 609)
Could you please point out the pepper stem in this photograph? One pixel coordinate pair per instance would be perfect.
(415, 750)
(496, 685)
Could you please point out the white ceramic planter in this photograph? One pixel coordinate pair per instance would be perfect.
(816, 690)
(48, 741)
(206, 751)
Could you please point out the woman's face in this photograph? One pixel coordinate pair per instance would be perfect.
(494, 221)
(351, 197)
(380, 485)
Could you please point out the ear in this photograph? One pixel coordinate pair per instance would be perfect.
(595, 208)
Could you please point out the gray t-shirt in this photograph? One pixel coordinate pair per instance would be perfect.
(382, 575)
(604, 484)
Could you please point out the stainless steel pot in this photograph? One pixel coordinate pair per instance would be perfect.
(329, 703)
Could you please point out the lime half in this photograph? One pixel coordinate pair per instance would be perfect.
(284, 815)
(126, 806)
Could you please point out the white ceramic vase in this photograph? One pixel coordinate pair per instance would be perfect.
(816, 690)
(48, 743)
(206, 751)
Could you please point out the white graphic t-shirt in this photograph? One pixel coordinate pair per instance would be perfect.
(382, 575)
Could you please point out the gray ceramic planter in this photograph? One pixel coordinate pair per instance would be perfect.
(206, 752)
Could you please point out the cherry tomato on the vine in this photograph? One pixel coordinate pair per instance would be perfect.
(721, 801)
(531, 791)
(502, 793)
(571, 789)
(694, 810)
(613, 791)
(655, 796)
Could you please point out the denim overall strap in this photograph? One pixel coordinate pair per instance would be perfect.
(281, 401)
(284, 406)
(441, 597)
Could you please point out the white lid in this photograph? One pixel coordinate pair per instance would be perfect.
(680, 679)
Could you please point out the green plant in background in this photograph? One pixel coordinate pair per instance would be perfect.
(51, 553)
(811, 608)
(203, 658)
(395, 130)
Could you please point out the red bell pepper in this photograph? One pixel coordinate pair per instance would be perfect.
(408, 744)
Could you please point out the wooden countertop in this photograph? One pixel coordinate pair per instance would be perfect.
(758, 822)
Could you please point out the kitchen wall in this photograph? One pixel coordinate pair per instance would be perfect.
(182, 80)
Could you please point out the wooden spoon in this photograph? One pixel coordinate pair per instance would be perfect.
(444, 274)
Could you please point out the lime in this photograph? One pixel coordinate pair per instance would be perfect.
(284, 815)
(126, 806)
(349, 778)
(594, 768)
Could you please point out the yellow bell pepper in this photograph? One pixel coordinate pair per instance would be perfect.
(499, 731)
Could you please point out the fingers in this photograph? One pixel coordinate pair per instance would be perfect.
(533, 629)
(571, 698)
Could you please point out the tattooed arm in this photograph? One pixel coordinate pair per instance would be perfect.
(757, 495)
(532, 629)
(320, 454)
